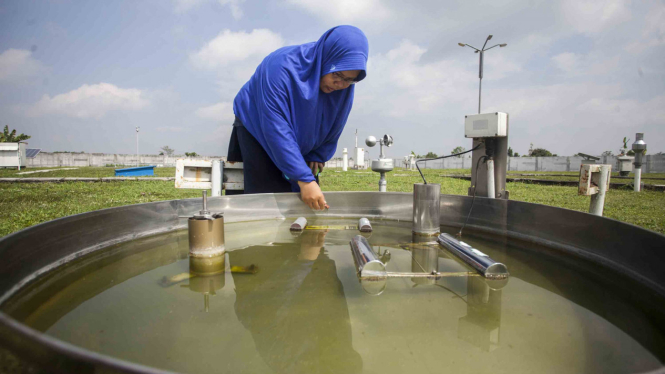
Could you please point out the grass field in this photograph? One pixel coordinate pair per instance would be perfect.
(26, 204)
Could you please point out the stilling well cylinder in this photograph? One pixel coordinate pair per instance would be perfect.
(426, 208)
(206, 236)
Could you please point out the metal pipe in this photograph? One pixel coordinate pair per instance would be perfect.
(370, 270)
(639, 147)
(364, 225)
(475, 258)
(426, 209)
(216, 177)
(137, 146)
(480, 80)
(383, 185)
(637, 180)
(598, 200)
(490, 178)
(299, 224)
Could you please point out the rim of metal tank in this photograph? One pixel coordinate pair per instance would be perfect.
(621, 247)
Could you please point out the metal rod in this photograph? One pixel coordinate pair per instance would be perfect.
(437, 275)
(365, 258)
(205, 200)
(137, 146)
(475, 258)
(480, 81)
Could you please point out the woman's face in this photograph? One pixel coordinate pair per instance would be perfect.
(338, 80)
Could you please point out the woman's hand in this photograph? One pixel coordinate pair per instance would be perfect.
(311, 194)
(316, 167)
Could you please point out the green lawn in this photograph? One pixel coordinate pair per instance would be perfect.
(26, 204)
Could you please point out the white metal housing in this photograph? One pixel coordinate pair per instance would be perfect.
(486, 125)
(360, 158)
(209, 175)
(12, 154)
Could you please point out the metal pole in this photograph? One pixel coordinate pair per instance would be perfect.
(490, 179)
(637, 180)
(216, 177)
(598, 200)
(480, 76)
(137, 146)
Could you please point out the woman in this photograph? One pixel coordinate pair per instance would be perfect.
(290, 114)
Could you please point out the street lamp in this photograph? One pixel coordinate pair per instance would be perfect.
(480, 70)
(137, 146)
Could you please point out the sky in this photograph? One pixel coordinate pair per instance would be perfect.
(576, 75)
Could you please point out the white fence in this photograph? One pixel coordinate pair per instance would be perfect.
(652, 163)
(46, 159)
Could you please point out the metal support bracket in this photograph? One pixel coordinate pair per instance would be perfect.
(198, 174)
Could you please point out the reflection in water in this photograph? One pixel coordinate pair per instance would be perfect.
(424, 259)
(281, 305)
(482, 324)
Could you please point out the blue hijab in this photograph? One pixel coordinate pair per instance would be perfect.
(284, 109)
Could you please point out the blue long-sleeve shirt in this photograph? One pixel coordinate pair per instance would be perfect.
(283, 107)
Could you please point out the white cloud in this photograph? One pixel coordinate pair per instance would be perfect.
(234, 5)
(17, 65)
(566, 61)
(222, 112)
(594, 16)
(181, 6)
(90, 101)
(233, 47)
(399, 85)
(344, 10)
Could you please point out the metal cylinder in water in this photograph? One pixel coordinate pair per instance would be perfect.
(206, 236)
(364, 225)
(426, 209)
(299, 224)
(370, 270)
(476, 259)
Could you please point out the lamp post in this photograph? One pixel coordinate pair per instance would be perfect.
(137, 146)
(480, 69)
